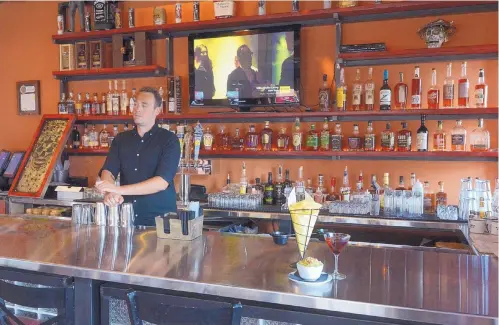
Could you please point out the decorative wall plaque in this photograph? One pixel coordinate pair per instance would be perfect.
(96, 55)
(28, 97)
(66, 57)
(45, 150)
(82, 55)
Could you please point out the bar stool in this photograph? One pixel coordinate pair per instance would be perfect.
(173, 310)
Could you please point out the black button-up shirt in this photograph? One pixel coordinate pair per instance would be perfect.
(137, 159)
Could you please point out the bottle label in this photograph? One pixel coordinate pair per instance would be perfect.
(387, 140)
(324, 99)
(458, 139)
(402, 94)
(268, 194)
(433, 97)
(369, 95)
(207, 142)
(354, 143)
(463, 89)
(356, 92)
(369, 142)
(312, 141)
(439, 141)
(297, 140)
(281, 143)
(448, 92)
(336, 142)
(325, 140)
(479, 96)
(340, 97)
(385, 97)
(416, 99)
(404, 141)
(422, 141)
(265, 138)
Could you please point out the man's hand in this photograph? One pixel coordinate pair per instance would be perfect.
(107, 187)
(113, 199)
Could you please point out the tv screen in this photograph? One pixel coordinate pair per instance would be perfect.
(247, 68)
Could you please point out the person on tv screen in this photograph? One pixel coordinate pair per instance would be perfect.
(243, 77)
(203, 75)
(288, 65)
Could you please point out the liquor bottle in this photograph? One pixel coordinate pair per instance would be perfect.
(78, 105)
(441, 196)
(61, 106)
(226, 188)
(297, 136)
(259, 188)
(357, 93)
(312, 139)
(288, 184)
(324, 138)
(278, 194)
(116, 99)
(337, 138)
(222, 140)
(345, 187)
(109, 99)
(448, 91)
(401, 93)
(93, 137)
(319, 191)
(171, 96)
(404, 138)
(480, 138)
(266, 137)
(369, 87)
(85, 138)
(95, 108)
(429, 199)
(70, 103)
(113, 134)
(133, 102)
(252, 139)
(325, 95)
(208, 139)
(123, 99)
(385, 94)
(418, 199)
(360, 182)
(458, 137)
(355, 141)
(375, 191)
(386, 201)
(433, 93)
(75, 138)
(387, 139)
(370, 138)
(333, 195)
(416, 90)
(440, 138)
(87, 105)
(341, 92)
(243, 181)
(268, 194)
(237, 141)
(163, 100)
(481, 91)
(102, 107)
(309, 189)
(463, 87)
(282, 140)
(300, 186)
(104, 137)
(413, 181)
(422, 136)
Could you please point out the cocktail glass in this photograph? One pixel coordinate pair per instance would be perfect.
(336, 243)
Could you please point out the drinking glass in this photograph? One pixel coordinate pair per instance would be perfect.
(388, 209)
(336, 243)
(76, 214)
(408, 204)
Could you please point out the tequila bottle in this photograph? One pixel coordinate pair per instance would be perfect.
(104, 137)
(324, 138)
(161, 92)
(266, 137)
(252, 139)
(288, 184)
(337, 138)
(243, 181)
(325, 95)
(309, 189)
(429, 199)
(369, 87)
(297, 136)
(355, 141)
(440, 138)
(370, 138)
(312, 139)
(480, 138)
(387, 139)
(458, 137)
(282, 140)
(448, 90)
(357, 102)
(208, 139)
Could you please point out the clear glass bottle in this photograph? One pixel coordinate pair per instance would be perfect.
(103, 103)
(370, 138)
(237, 141)
(70, 103)
(325, 136)
(325, 95)
(369, 88)
(416, 90)
(104, 137)
(259, 188)
(208, 139)
(252, 139)
(387, 139)
(87, 105)
(337, 138)
(448, 90)
(133, 102)
(223, 139)
(123, 99)
(481, 91)
(85, 139)
(79, 105)
(320, 190)
(95, 108)
(400, 93)
(480, 138)
(357, 93)
(115, 99)
(463, 87)
(109, 99)
(385, 94)
(312, 139)
(61, 106)
(297, 136)
(282, 140)
(266, 137)
(355, 141)
(440, 138)
(345, 187)
(341, 92)
(458, 137)
(93, 136)
(434, 92)
(404, 138)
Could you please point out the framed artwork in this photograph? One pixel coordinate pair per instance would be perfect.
(37, 166)
(28, 97)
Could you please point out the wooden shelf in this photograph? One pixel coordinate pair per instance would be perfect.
(87, 152)
(369, 12)
(232, 117)
(111, 73)
(420, 55)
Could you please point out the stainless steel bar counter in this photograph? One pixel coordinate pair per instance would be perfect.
(383, 286)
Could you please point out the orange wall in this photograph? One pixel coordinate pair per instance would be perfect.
(28, 54)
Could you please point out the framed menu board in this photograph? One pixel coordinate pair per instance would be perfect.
(45, 150)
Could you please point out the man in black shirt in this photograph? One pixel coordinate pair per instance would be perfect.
(147, 159)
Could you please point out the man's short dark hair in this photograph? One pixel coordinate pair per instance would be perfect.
(157, 97)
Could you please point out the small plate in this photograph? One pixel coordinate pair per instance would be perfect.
(295, 277)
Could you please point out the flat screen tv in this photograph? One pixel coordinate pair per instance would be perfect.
(244, 69)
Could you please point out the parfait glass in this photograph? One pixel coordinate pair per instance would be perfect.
(336, 243)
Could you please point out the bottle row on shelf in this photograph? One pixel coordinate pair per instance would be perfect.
(363, 93)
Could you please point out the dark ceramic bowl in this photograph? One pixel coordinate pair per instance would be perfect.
(280, 238)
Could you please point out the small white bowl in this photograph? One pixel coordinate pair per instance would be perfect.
(309, 273)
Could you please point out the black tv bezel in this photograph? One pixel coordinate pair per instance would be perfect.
(16, 168)
(212, 103)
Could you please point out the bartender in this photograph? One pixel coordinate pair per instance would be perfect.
(146, 158)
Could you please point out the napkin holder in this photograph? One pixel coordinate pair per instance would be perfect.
(195, 228)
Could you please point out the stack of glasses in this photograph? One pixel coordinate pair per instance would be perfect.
(477, 201)
(404, 203)
(235, 201)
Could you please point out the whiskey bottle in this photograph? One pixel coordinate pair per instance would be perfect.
(324, 138)
(370, 138)
(109, 99)
(463, 87)
(116, 99)
(297, 136)
(87, 105)
(333, 195)
(448, 91)
(268, 194)
(355, 141)
(416, 90)
(345, 187)
(61, 106)
(440, 138)
(387, 139)
(102, 105)
(70, 103)
(252, 139)
(385, 94)
(309, 189)
(75, 138)
(433, 93)
(95, 108)
(422, 136)
(404, 139)
(279, 197)
(319, 192)
(337, 138)
(401, 93)
(104, 137)
(441, 196)
(325, 95)
(133, 102)
(223, 139)
(123, 99)
(369, 88)
(458, 137)
(266, 137)
(357, 92)
(208, 139)
(341, 92)
(429, 199)
(79, 105)
(282, 140)
(237, 141)
(480, 138)
(312, 139)
(481, 91)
